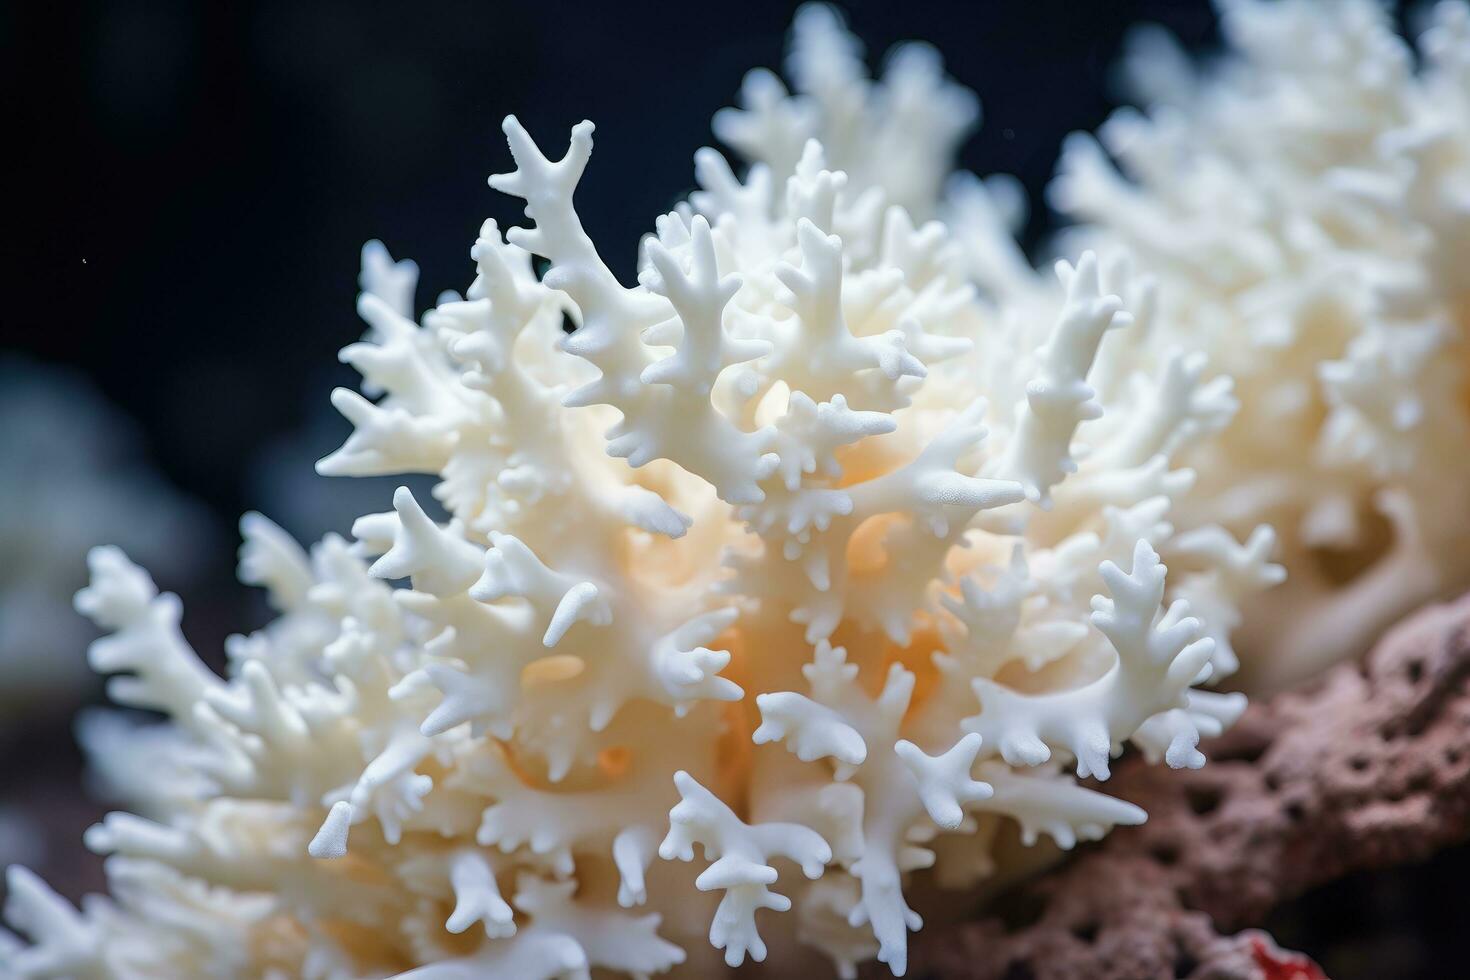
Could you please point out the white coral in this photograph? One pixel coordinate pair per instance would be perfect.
(801, 484)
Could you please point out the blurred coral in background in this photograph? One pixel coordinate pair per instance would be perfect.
(73, 472)
(1304, 204)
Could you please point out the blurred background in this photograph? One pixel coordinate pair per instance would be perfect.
(190, 187)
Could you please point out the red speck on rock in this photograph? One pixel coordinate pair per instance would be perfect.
(1277, 964)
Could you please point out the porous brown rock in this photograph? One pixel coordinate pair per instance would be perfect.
(1367, 768)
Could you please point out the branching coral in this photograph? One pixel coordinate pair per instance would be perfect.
(841, 508)
(1305, 207)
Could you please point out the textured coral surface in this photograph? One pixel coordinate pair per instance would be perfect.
(1368, 768)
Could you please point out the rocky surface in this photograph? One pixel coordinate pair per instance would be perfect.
(1366, 769)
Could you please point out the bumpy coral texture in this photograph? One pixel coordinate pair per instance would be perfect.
(835, 603)
(1305, 207)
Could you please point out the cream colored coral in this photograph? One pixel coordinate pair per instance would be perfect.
(787, 551)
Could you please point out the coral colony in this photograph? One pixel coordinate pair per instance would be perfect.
(803, 549)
